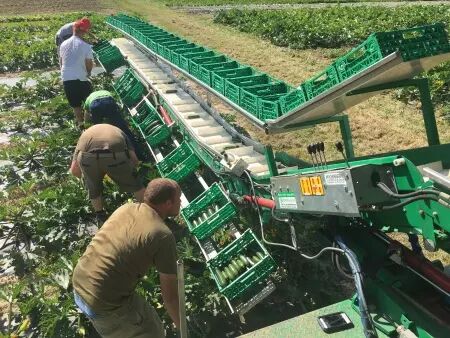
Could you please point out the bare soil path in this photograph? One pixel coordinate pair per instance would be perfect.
(19, 7)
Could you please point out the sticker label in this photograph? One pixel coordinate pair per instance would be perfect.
(334, 179)
(287, 200)
(316, 185)
(311, 185)
(305, 186)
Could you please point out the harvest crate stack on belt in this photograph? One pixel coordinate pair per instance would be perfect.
(208, 212)
(242, 84)
(129, 88)
(149, 122)
(179, 164)
(241, 265)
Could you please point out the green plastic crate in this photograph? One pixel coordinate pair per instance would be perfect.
(143, 115)
(248, 279)
(205, 71)
(321, 82)
(224, 214)
(218, 77)
(100, 45)
(175, 54)
(126, 82)
(153, 43)
(249, 95)
(166, 42)
(166, 50)
(158, 136)
(133, 96)
(233, 85)
(195, 63)
(184, 58)
(112, 64)
(179, 164)
(359, 58)
(292, 100)
(146, 116)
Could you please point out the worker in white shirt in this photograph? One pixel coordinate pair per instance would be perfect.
(77, 60)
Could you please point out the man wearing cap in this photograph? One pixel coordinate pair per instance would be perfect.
(77, 60)
(104, 149)
(133, 240)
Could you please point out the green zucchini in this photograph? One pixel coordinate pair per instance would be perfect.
(255, 259)
(228, 273)
(260, 255)
(241, 264)
(244, 259)
(236, 264)
(233, 270)
(220, 278)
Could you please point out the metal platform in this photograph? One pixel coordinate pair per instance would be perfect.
(340, 97)
(306, 326)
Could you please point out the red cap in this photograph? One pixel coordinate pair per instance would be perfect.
(83, 24)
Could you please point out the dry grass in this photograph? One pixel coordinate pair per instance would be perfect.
(19, 7)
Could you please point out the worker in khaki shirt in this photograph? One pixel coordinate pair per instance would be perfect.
(132, 240)
(100, 107)
(104, 149)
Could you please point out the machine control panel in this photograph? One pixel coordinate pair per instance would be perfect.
(335, 192)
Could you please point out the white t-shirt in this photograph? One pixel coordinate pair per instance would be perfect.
(74, 53)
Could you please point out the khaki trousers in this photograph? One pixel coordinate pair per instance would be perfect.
(135, 319)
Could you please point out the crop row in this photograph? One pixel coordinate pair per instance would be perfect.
(29, 44)
(329, 27)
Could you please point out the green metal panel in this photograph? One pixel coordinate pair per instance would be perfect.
(306, 325)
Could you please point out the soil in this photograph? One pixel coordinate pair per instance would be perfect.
(18, 7)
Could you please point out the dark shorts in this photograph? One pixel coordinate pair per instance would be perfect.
(77, 92)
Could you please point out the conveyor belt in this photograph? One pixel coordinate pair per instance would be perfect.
(197, 120)
(337, 99)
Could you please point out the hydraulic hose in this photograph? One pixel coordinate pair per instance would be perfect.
(366, 319)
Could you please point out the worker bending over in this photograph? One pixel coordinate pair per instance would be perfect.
(104, 149)
(134, 239)
(101, 107)
(77, 60)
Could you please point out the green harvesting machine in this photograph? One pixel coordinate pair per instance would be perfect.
(399, 293)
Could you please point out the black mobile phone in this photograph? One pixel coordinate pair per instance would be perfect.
(335, 322)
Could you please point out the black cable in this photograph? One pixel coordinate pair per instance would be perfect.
(406, 202)
(388, 191)
(366, 319)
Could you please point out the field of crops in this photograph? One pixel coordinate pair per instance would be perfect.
(44, 212)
